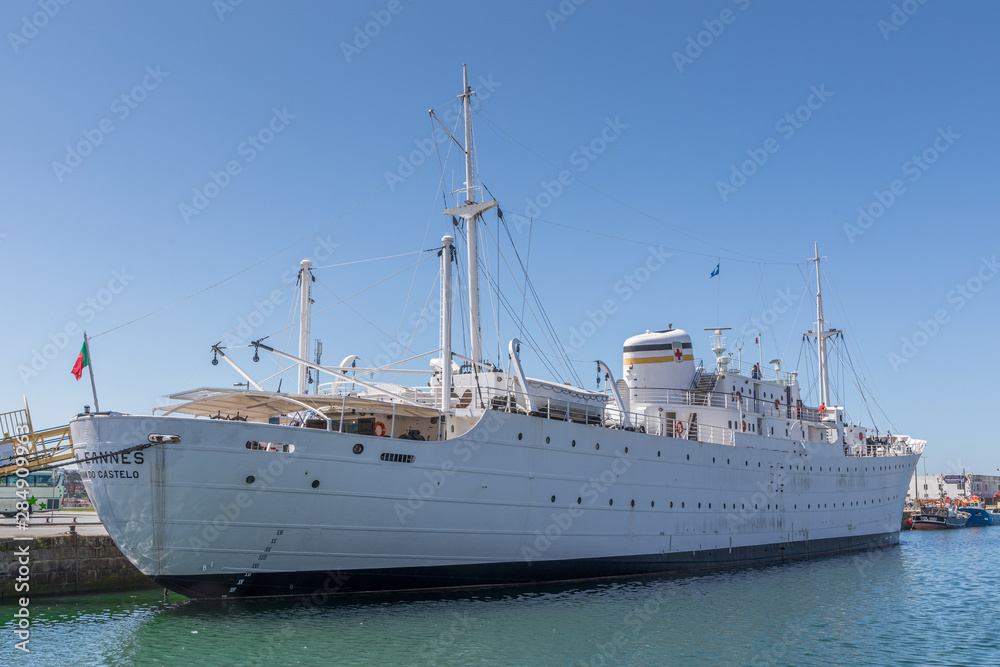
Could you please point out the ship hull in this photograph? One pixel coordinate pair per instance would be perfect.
(519, 573)
(515, 500)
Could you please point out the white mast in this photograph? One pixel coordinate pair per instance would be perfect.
(305, 315)
(473, 245)
(821, 335)
(446, 324)
(471, 211)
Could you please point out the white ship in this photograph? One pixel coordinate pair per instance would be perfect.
(483, 476)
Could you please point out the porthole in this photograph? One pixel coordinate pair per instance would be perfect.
(358, 448)
(520, 435)
(671, 503)
(699, 505)
(315, 484)
(611, 501)
(710, 506)
(727, 461)
(682, 505)
(250, 479)
(574, 443)
(633, 502)
(547, 440)
(755, 505)
(652, 503)
(657, 453)
(713, 459)
(688, 457)
(553, 498)
(597, 445)
(626, 450)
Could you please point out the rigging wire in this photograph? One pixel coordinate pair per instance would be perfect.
(646, 243)
(527, 262)
(372, 259)
(273, 297)
(254, 265)
(361, 291)
(427, 229)
(600, 191)
(568, 370)
(802, 300)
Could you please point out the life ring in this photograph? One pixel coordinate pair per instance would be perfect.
(861, 436)
(739, 397)
(777, 404)
(744, 426)
(678, 427)
(379, 425)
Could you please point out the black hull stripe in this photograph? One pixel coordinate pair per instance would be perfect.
(324, 584)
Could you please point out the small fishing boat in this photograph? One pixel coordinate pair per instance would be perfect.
(938, 518)
(979, 515)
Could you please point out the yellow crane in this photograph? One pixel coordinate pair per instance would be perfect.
(43, 447)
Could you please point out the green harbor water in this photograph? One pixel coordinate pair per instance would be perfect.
(929, 601)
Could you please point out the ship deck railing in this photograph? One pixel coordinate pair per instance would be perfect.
(610, 416)
(756, 371)
(898, 448)
(762, 407)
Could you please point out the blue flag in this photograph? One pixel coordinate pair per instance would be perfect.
(715, 272)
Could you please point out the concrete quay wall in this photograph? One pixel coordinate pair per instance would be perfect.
(65, 565)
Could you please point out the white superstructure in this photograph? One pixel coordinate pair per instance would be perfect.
(482, 476)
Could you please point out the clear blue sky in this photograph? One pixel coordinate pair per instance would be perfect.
(115, 113)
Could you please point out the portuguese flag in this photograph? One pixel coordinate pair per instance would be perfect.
(82, 361)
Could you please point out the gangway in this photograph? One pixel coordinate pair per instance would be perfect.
(45, 447)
